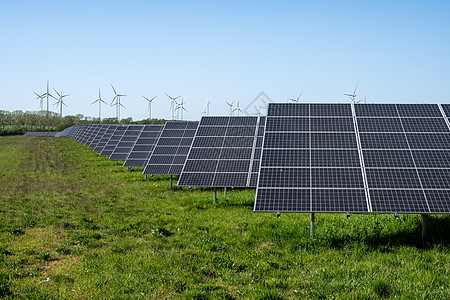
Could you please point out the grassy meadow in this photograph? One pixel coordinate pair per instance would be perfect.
(73, 225)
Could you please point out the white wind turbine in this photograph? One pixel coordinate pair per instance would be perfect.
(238, 109)
(100, 101)
(149, 106)
(172, 105)
(231, 107)
(60, 101)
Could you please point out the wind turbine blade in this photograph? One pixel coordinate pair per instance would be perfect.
(38, 96)
(176, 98)
(99, 94)
(52, 96)
(115, 97)
(146, 98)
(121, 95)
(122, 105)
(94, 101)
(103, 101)
(153, 99)
(64, 104)
(168, 96)
(65, 95)
(113, 90)
(57, 93)
(354, 93)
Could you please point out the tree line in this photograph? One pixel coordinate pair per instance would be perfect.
(19, 122)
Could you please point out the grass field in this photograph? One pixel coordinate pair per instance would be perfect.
(73, 225)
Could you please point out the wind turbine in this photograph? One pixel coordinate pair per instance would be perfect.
(353, 96)
(149, 106)
(100, 101)
(172, 104)
(118, 104)
(60, 101)
(231, 107)
(47, 94)
(206, 107)
(41, 98)
(238, 109)
(180, 107)
(296, 100)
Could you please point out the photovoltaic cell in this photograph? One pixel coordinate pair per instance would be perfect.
(225, 148)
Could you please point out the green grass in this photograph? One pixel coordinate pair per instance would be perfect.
(73, 225)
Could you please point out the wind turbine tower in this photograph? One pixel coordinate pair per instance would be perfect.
(149, 106)
(100, 101)
(47, 94)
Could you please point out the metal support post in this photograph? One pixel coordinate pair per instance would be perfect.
(424, 225)
(215, 196)
(312, 225)
(170, 181)
(225, 191)
(145, 176)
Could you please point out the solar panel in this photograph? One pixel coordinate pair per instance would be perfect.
(225, 152)
(89, 129)
(105, 138)
(98, 136)
(143, 147)
(312, 165)
(171, 149)
(311, 162)
(126, 142)
(113, 140)
(407, 161)
(93, 134)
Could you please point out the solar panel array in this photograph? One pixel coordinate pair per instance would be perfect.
(361, 158)
(126, 142)
(223, 153)
(143, 147)
(171, 149)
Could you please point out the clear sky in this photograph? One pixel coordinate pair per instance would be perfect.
(398, 51)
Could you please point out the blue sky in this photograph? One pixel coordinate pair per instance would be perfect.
(398, 51)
